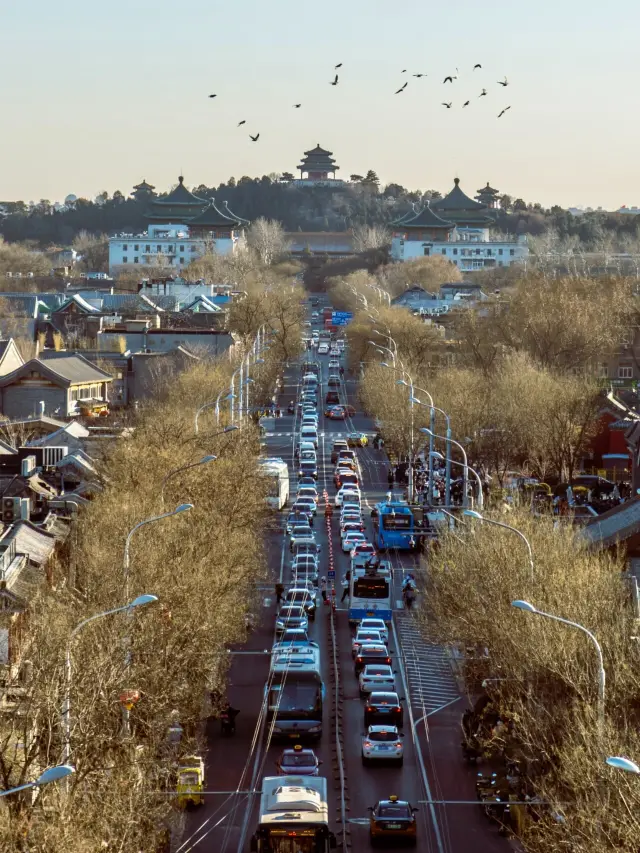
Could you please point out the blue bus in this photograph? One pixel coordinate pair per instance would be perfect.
(370, 592)
(398, 525)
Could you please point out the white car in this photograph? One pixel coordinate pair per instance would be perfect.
(334, 363)
(382, 743)
(376, 677)
(346, 493)
(340, 344)
(308, 492)
(369, 624)
(323, 349)
(351, 538)
(367, 636)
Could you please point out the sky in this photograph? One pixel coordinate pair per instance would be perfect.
(98, 96)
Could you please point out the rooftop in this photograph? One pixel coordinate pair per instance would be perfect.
(457, 200)
(66, 369)
(212, 217)
(426, 218)
(615, 525)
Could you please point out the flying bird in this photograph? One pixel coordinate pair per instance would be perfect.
(339, 65)
(419, 75)
(466, 103)
(503, 112)
(297, 106)
(335, 82)
(449, 79)
(483, 93)
(244, 121)
(477, 65)
(448, 106)
(254, 138)
(404, 71)
(506, 82)
(402, 88)
(213, 96)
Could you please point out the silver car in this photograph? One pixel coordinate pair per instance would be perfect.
(383, 743)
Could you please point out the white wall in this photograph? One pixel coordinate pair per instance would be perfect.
(466, 255)
(174, 252)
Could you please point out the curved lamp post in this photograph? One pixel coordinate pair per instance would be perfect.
(473, 514)
(140, 601)
(53, 774)
(529, 608)
(437, 455)
(623, 764)
(432, 426)
(167, 477)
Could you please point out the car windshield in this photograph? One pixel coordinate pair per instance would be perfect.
(299, 759)
(301, 597)
(378, 670)
(291, 612)
(301, 530)
(397, 810)
(383, 737)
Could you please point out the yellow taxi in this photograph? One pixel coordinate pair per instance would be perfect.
(357, 439)
(393, 820)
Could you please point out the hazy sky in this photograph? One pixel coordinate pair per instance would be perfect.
(98, 96)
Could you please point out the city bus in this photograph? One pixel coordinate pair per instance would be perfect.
(370, 592)
(294, 816)
(277, 472)
(295, 693)
(398, 525)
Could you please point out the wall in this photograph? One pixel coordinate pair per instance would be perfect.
(465, 255)
(21, 401)
(175, 252)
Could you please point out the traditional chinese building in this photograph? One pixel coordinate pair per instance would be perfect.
(182, 227)
(489, 197)
(458, 228)
(143, 191)
(318, 169)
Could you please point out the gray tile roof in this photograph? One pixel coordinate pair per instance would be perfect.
(615, 525)
(72, 369)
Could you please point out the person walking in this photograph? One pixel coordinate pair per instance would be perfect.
(390, 478)
(323, 589)
(279, 592)
(345, 585)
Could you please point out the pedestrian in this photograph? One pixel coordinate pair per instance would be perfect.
(279, 592)
(345, 588)
(323, 589)
(390, 478)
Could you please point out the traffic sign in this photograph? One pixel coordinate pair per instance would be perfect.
(347, 314)
(331, 574)
(341, 318)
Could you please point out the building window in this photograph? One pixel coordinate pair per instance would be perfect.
(193, 248)
(444, 251)
(603, 370)
(135, 260)
(427, 250)
(182, 248)
(625, 372)
(499, 251)
(181, 260)
(455, 251)
(477, 251)
(125, 260)
(147, 248)
(489, 252)
(158, 248)
(136, 248)
(171, 248)
(512, 252)
(125, 246)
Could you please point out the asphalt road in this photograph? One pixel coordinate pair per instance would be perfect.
(433, 772)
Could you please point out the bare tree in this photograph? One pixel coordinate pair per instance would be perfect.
(367, 237)
(267, 238)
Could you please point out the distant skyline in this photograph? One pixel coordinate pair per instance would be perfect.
(101, 97)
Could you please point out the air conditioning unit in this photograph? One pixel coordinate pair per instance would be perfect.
(25, 509)
(28, 466)
(11, 510)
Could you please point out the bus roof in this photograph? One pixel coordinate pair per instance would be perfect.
(399, 507)
(294, 798)
(296, 659)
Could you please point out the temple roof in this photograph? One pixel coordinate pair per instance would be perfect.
(144, 186)
(426, 218)
(488, 190)
(211, 217)
(179, 205)
(318, 158)
(225, 209)
(456, 200)
(405, 216)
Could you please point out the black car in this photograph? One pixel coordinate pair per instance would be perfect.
(393, 820)
(383, 708)
(333, 381)
(371, 653)
(308, 468)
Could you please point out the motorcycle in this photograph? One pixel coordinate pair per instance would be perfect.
(408, 596)
(228, 722)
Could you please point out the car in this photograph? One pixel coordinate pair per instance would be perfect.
(347, 493)
(367, 635)
(308, 467)
(300, 533)
(357, 439)
(335, 413)
(297, 517)
(305, 564)
(341, 344)
(291, 617)
(307, 501)
(306, 481)
(332, 397)
(382, 743)
(362, 552)
(337, 446)
(310, 420)
(333, 381)
(376, 625)
(347, 455)
(334, 363)
(383, 706)
(307, 492)
(323, 349)
(350, 527)
(300, 596)
(393, 820)
(346, 479)
(307, 546)
(371, 653)
(293, 637)
(303, 583)
(314, 315)
(350, 538)
(298, 762)
(345, 462)
(351, 521)
(309, 432)
(341, 472)
(308, 455)
(376, 677)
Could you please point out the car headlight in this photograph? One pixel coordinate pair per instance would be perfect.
(314, 729)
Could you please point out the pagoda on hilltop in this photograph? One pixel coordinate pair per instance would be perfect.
(464, 212)
(179, 207)
(489, 197)
(318, 168)
(143, 191)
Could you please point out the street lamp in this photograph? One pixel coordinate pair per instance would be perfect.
(52, 774)
(382, 348)
(436, 455)
(529, 608)
(465, 466)
(623, 764)
(140, 601)
(473, 514)
(230, 397)
(203, 461)
(432, 426)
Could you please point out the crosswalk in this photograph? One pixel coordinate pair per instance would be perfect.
(432, 684)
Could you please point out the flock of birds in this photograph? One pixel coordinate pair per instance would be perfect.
(448, 104)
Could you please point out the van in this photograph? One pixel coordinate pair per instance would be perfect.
(309, 432)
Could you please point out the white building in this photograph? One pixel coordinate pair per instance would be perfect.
(458, 228)
(182, 227)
